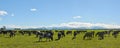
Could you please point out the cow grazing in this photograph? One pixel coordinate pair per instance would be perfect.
(47, 35)
(100, 35)
(115, 34)
(63, 33)
(88, 35)
(74, 35)
(12, 33)
(59, 35)
(21, 32)
(4, 32)
(69, 32)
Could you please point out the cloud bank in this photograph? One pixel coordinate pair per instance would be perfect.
(71, 25)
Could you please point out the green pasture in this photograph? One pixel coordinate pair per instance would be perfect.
(25, 41)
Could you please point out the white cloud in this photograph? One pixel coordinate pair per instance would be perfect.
(86, 25)
(33, 9)
(77, 17)
(71, 25)
(20, 26)
(2, 13)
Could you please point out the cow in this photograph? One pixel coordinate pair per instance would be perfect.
(21, 32)
(100, 35)
(115, 34)
(37, 33)
(29, 33)
(33, 32)
(0, 32)
(50, 34)
(62, 33)
(88, 35)
(74, 35)
(107, 32)
(69, 32)
(47, 35)
(59, 35)
(78, 32)
(12, 33)
(4, 32)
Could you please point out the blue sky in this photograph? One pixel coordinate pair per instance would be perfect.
(48, 12)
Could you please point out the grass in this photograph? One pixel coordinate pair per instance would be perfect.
(20, 41)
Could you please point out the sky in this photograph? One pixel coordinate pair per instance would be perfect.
(56, 12)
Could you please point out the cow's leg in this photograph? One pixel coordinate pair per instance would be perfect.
(40, 38)
(46, 38)
(59, 37)
(84, 37)
(10, 35)
(14, 34)
(102, 37)
(115, 36)
(51, 38)
(74, 37)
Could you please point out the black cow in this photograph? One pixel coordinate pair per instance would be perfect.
(88, 35)
(62, 33)
(34, 32)
(50, 33)
(74, 35)
(37, 33)
(100, 35)
(93, 32)
(0, 32)
(107, 32)
(29, 33)
(115, 34)
(47, 35)
(59, 35)
(21, 32)
(56, 31)
(69, 32)
(4, 32)
(78, 32)
(12, 33)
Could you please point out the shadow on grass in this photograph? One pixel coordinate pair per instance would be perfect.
(57, 39)
(0, 36)
(87, 39)
(7, 37)
(39, 41)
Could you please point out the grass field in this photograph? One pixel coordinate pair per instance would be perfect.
(20, 41)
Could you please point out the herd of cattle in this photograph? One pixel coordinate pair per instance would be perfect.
(48, 34)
